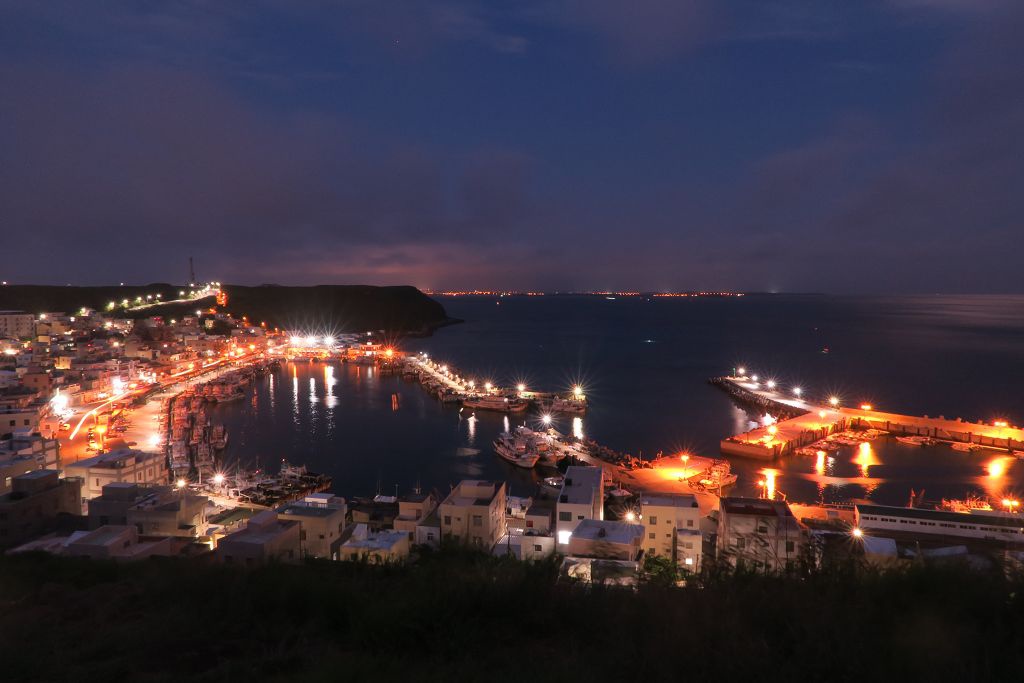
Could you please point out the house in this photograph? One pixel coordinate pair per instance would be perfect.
(525, 545)
(168, 512)
(378, 547)
(759, 533)
(606, 540)
(111, 506)
(121, 465)
(428, 530)
(474, 513)
(12, 466)
(321, 518)
(116, 542)
(672, 528)
(412, 509)
(265, 538)
(37, 502)
(539, 517)
(17, 324)
(581, 497)
(22, 443)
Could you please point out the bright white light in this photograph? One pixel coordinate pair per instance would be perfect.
(328, 340)
(180, 483)
(488, 386)
(577, 391)
(546, 419)
(797, 391)
(117, 384)
(753, 377)
(742, 371)
(770, 384)
(630, 516)
(296, 340)
(564, 536)
(834, 400)
(218, 479)
(520, 387)
(310, 340)
(155, 440)
(857, 533)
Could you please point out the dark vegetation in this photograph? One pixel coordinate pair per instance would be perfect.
(459, 616)
(323, 308)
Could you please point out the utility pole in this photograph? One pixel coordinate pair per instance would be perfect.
(191, 272)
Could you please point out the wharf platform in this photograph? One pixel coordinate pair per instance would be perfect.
(815, 422)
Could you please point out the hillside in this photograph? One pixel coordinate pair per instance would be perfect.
(331, 308)
(466, 617)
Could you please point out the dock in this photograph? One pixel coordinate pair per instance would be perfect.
(811, 422)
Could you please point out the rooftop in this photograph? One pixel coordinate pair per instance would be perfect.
(608, 531)
(682, 500)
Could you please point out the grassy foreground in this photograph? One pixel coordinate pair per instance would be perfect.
(465, 617)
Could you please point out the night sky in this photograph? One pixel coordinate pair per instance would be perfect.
(847, 146)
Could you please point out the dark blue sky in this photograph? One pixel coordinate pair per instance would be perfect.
(870, 146)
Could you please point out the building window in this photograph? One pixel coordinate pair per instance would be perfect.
(651, 535)
(741, 543)
(430, 535)
(478, 520)
(447, 519)
(564, 516)
(654, 520)
(689, 522)
(537, 547)
(790, 546)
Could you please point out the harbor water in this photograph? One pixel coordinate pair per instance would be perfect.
(644, 363)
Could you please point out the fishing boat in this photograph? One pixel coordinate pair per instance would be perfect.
(964, 447)
(552, 485)
(566, 406)
(515, 451)
(502, 404)
(916, 440)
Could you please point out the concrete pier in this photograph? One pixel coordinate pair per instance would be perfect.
(816, 422)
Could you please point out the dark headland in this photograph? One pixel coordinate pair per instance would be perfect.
(332, 308)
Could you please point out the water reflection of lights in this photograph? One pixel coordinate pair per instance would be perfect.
(995, 481)
(577, 427)
(865, 458)
(505, 424)
(271, 390)
(472, 428)
(312, 390)
(819, 463)
(330, 381)
(769, 482)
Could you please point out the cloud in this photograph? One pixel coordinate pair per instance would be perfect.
(138, 165)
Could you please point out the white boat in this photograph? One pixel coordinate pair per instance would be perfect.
(568, 406)
(502, 404)
(964, 447)
(515, 451)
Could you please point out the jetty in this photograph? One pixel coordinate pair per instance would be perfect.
(804, 422)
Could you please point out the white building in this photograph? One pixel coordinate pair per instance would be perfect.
(121, 465)
(413, 509)
(758, 533)
(474, 513)
(321, 519)
(582, 497)
(17, 324)
(379, 547)
(988, 525)
(606, 540)
(116, 543)
(266, 538)
(525, 545)
(672, 528)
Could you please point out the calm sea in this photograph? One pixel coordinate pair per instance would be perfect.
(644, 364)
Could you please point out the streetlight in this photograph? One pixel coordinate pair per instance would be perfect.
(180, 483)
(857, 532)
(546, 419)
(520, 387)
(833, 401)
(797, 391)
(218, 479)
(770, 384)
